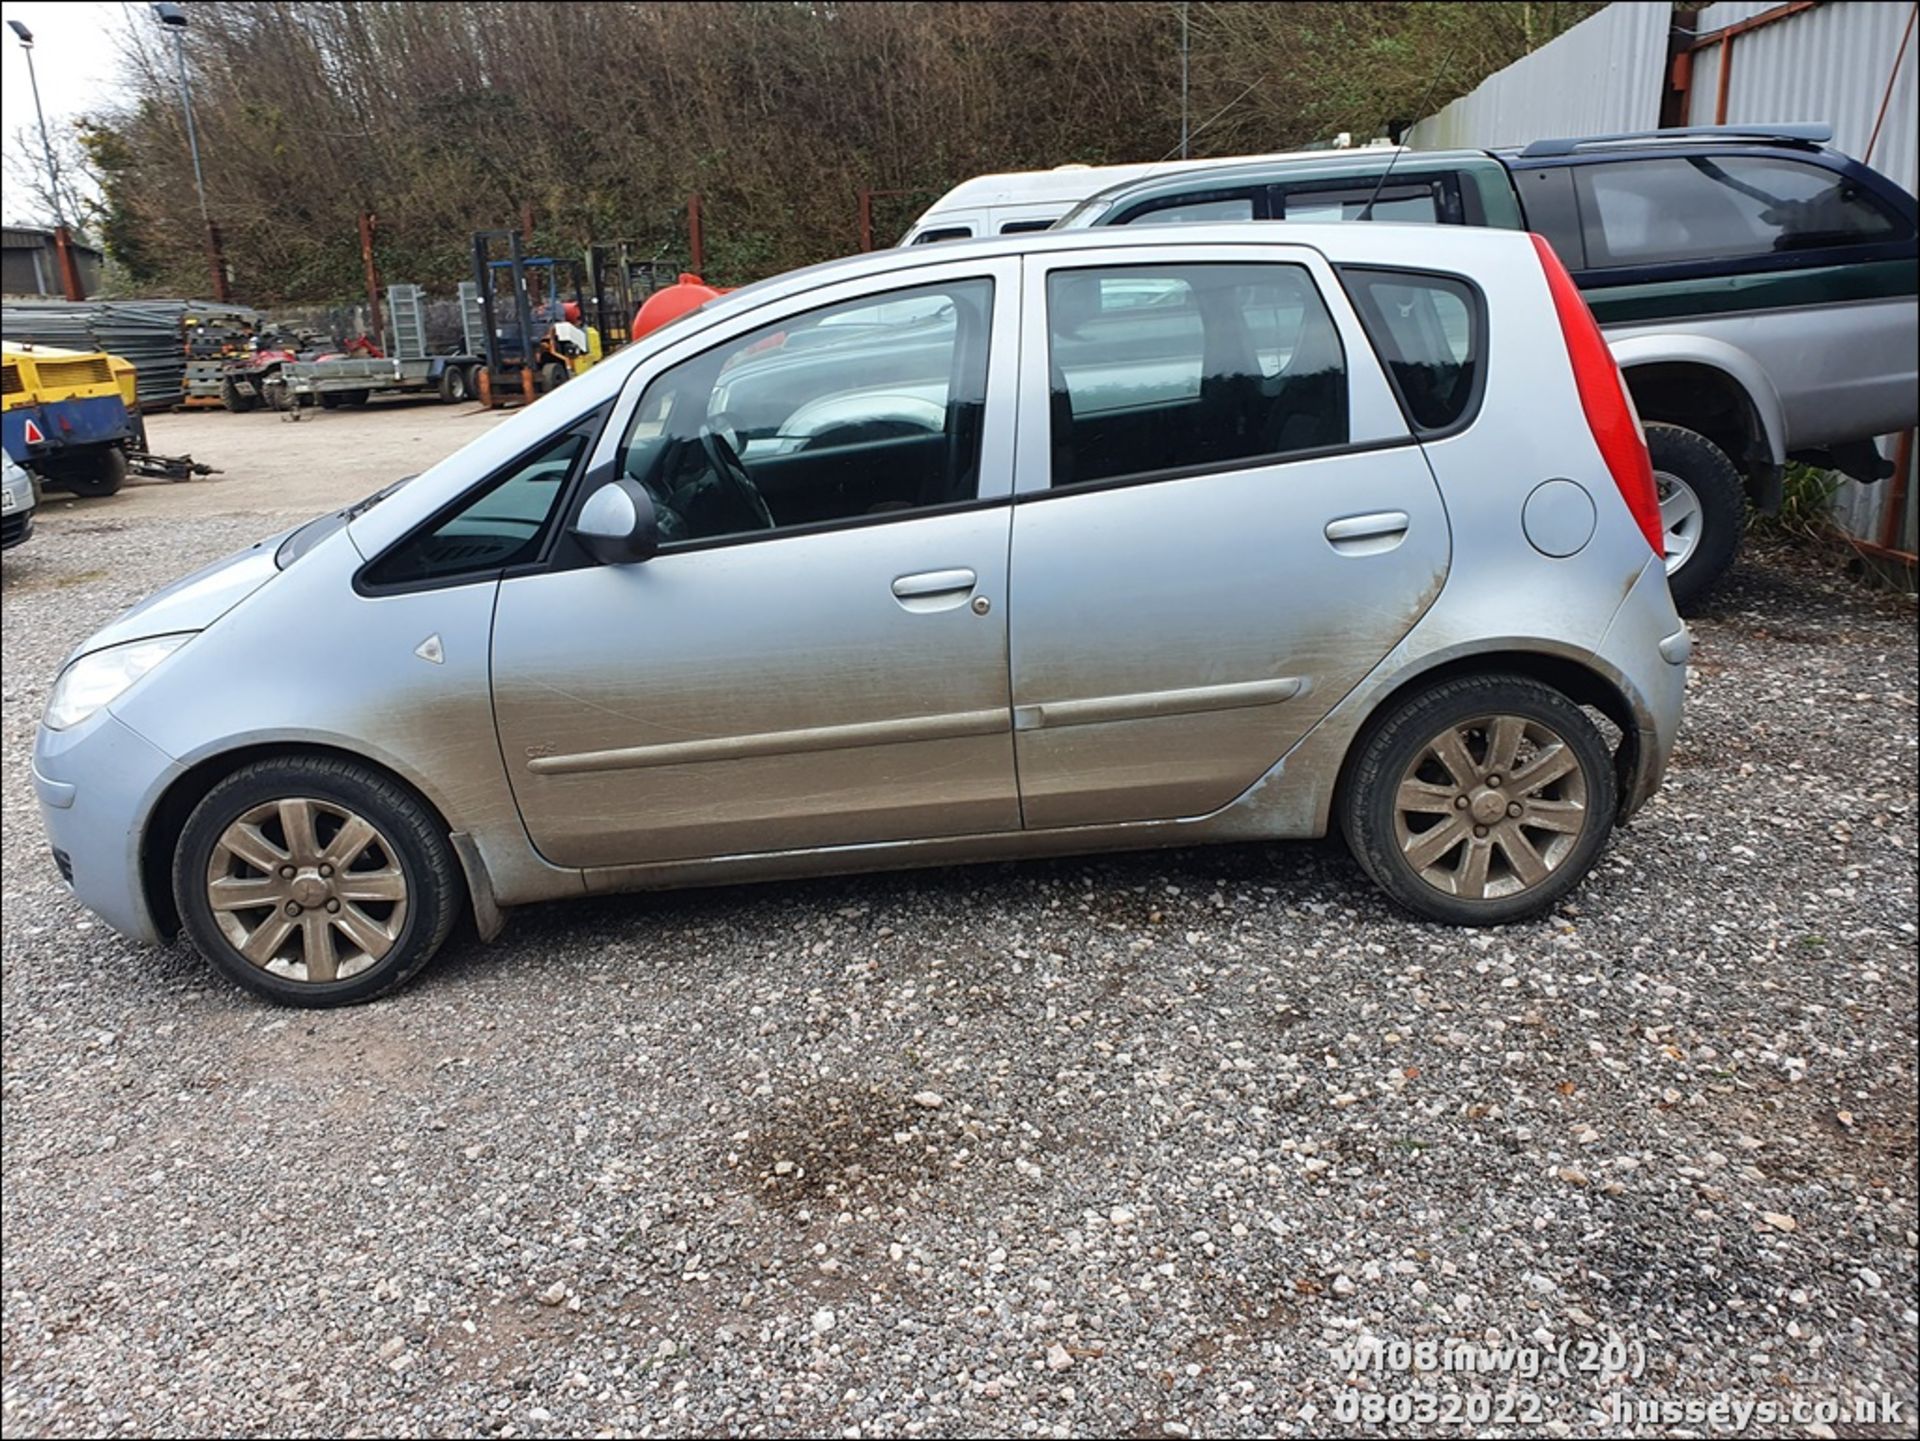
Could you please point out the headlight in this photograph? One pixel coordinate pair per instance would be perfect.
(94, 680)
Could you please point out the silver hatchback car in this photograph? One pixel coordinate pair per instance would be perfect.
(1028, 546)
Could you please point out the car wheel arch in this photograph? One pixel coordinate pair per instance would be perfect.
(1665, 374)
(1579, 680)
(167, 818)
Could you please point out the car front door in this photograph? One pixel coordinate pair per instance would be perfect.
(1221, 525)
(817, 654)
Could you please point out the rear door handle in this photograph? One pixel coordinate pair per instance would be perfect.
(934, 589)
(1367, 534)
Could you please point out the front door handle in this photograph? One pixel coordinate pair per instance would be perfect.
(931, 590)
(1367, 534)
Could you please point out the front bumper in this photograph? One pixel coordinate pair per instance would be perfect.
(15, 526)
(97, 823)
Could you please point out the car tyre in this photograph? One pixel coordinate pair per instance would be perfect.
(1703, 510)
(1429, 807)
(453, 384)
(314, 881)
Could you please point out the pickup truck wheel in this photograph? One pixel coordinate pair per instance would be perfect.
(235, 399)
(1480, 801)
(1703, 510)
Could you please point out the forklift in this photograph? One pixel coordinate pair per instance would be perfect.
(618, 284)
(515, 307)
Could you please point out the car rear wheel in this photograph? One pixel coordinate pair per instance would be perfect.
(1703, 509)
(1481, 801)
(315, 882)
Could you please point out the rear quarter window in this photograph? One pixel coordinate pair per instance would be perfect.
(1430, 332)
(1682, 209)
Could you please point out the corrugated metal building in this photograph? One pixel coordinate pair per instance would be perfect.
(29, 267)
(1833, 62)
(1606, 73)
(1851, 63)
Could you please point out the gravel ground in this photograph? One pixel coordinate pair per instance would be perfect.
(1120, 1147)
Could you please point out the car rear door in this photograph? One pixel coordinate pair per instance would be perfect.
(1221, 524)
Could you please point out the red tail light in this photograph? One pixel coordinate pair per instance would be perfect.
(1603, 396)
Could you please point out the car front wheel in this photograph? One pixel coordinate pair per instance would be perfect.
(1481, 801)
(315, 882)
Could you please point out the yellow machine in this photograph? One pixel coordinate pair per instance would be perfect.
(70, 416)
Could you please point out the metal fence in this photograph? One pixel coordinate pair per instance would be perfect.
(1850, 63)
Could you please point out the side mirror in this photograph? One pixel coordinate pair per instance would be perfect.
(617, 525)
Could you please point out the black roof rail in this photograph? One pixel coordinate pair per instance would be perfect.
(1804, 133)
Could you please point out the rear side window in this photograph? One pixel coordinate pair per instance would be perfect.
(1672, 210)
(1190, 210)
(1414, 204)
(1170, 368)
(1022, 227)
(1430, 331)
(951, 232)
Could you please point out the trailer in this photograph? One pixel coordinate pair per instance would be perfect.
(354, 380)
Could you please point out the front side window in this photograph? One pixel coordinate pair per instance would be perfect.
(1427, 328)
(1171, 367)
(507, 523)
(1700, 207)
(868, 408)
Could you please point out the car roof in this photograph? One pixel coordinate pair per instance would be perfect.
(1304, 162)
(1076, 182)
(1377, 242)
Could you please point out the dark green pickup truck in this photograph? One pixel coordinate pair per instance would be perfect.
(1761, 292)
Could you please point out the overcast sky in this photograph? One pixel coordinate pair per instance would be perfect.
(76, 59)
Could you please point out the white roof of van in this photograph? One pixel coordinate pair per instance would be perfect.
(1071, 183)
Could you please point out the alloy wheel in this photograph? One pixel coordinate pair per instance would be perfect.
(1681, 516)
(307, 890)
(1491, 807)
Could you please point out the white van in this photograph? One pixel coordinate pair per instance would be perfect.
(1033, 199)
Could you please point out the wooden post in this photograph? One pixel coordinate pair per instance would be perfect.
(866, 219)
(373, 277)
(69, 265)
(695, 243)
(217, 262)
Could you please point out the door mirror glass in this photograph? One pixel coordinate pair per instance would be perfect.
(617, 525)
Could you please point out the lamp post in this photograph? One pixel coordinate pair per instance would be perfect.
(173, 18)
(62, 237)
